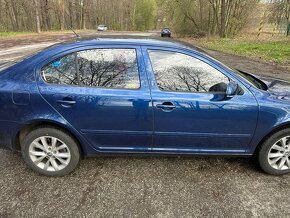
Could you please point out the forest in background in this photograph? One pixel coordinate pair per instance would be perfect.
(186, 17)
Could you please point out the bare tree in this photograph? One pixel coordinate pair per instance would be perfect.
(37, 16)
(280, 14)
(222, 17)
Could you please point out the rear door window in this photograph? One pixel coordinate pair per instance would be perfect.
(108, 68)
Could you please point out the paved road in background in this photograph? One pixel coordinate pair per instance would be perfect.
(21, 46)
(138, 186)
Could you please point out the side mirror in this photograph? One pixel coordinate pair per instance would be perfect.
(231, 89)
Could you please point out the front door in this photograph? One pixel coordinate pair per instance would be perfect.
(104, 94)
(191, 113)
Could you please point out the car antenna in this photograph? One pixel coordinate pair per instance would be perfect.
(77, 35)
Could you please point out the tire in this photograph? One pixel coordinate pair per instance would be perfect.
(276, 144)
(60, 157)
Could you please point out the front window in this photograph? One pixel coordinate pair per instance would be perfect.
(183, 73)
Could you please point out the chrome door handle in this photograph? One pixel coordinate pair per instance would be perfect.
(66, 101)
(166, 106)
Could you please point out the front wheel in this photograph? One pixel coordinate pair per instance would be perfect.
(50, 151)
(274, 154)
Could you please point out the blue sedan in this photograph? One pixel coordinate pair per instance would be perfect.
(102, 96)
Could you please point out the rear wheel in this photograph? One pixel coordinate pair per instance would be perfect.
(274, 154)
(50, 151)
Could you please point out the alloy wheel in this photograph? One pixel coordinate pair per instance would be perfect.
(279, 154)
(49, 153)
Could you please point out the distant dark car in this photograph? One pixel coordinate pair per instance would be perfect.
(165, 32)
(117, 96)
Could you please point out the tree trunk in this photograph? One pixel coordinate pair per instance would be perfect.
(201, 15)
(288, 19)
(70, 14)
(62, 14)
(15, 14)
(37, 16)
(83, 15)
(223, 19)
(288, 28)
(46, 18)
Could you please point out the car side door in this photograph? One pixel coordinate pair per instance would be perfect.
(192, 114)
(102, 91)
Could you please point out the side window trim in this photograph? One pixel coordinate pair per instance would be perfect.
(77, 68)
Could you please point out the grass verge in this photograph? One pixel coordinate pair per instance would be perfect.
(8, 34)
(277, 51)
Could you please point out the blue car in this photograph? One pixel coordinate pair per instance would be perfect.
(121, 96)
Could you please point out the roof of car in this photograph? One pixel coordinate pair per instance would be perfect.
(133, 40)
(108, 40)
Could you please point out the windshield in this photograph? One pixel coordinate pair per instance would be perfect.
(253, 80)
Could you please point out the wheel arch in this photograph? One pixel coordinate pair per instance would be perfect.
(24, 130)
(278, 128)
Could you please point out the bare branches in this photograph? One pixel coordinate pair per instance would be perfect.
(280, 13)
(36, 15)
(225, 17)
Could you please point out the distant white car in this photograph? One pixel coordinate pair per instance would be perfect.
(102, 28)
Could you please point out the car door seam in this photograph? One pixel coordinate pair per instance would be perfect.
(150, 92)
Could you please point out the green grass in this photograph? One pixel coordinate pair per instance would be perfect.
(273, 51)
(8, 34)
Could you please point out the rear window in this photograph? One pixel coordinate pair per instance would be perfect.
(108, 68)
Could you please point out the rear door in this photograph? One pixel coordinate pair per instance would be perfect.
(103, 93)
